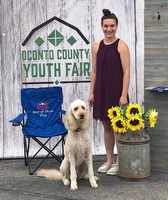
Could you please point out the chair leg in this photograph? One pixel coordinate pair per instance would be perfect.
(25, 156)
(28, 160)
(63, 143)
(26, 150)
(32, 172)
(26, 153)
(48, 150)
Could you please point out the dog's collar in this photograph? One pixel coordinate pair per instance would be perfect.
(77, 130)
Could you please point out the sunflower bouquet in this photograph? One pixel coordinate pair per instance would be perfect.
(131, 117)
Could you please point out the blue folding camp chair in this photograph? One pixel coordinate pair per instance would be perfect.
(43, 113)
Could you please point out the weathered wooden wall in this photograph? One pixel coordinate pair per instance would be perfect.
(18, 18)
(156, 74)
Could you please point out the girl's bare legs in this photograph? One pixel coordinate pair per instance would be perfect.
(109, 139)
(115, 135)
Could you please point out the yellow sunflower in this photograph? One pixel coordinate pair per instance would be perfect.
(153, 115)
(133, 109)
(135, 123)
(119, 125)
(114, 112)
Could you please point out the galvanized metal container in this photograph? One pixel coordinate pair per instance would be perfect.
(134, 155)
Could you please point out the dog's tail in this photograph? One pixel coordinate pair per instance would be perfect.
(51, 174)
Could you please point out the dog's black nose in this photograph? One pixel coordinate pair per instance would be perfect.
(81, 116)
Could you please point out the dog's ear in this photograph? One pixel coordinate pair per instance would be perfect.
(69, 121)
(86, 123)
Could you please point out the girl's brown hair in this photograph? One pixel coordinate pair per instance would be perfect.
(108, 15)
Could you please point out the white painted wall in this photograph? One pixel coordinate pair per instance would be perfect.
(18, 18)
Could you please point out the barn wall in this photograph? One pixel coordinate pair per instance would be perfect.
(156, 74)
(19, 18)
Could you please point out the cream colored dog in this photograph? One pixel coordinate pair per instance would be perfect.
(77, 163)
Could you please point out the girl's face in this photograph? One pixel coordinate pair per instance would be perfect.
(109, 28)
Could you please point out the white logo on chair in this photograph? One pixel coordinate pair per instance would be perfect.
(42, 105)
(42, 109)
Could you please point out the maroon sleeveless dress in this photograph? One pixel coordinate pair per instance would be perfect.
(109, 80)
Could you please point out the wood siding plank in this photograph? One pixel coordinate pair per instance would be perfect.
(156, 74)
(19, 18)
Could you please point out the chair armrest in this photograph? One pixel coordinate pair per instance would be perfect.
(17, 121)
(62, 111)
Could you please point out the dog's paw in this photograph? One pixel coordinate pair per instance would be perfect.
(66, 182)
(93, 183)
(74, 186)
(96, 178)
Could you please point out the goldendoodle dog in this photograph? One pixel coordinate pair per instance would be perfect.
(77, 163)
